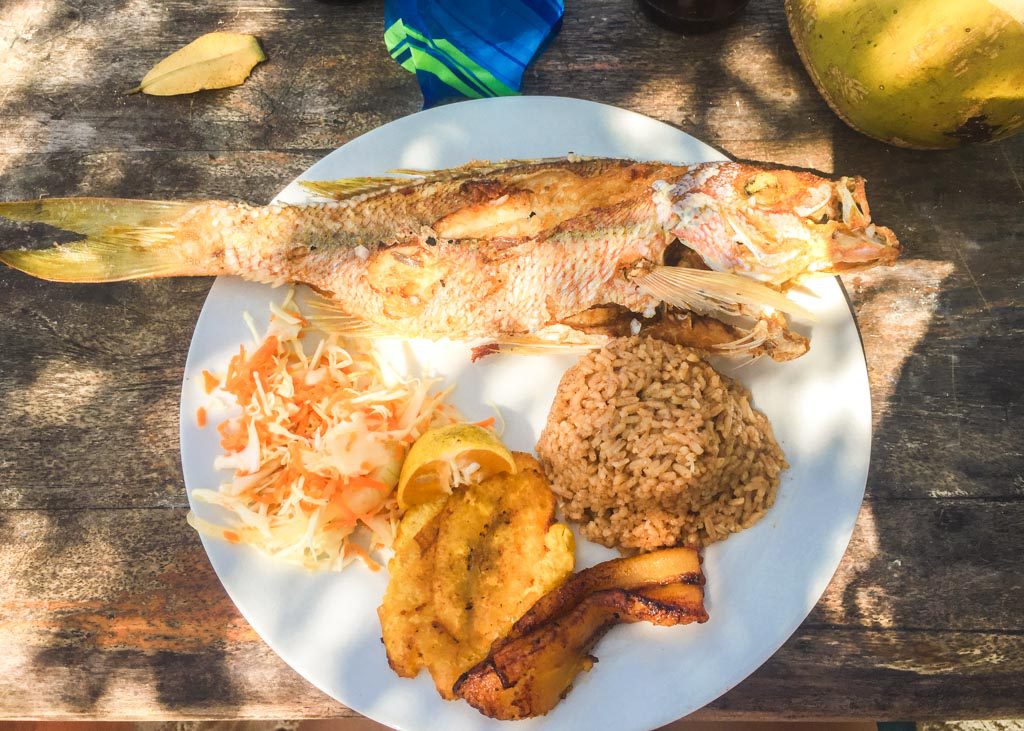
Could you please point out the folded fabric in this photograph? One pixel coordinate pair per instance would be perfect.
(469, 48)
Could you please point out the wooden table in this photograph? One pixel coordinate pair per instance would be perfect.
(108, 606)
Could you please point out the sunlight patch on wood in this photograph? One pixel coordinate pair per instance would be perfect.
(895, 306)
(867, 605)
(60, 391)
(931, 656)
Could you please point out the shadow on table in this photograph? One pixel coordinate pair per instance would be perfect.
(942, 332)
(932, 561)
(152, 618)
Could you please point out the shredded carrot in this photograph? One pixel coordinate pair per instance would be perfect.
(485, 423)
(347, 517)
(210, 382)
(357, 550)
(201, 417)
(360, 481)
(232, 438)
(242, 372)
(317, 446)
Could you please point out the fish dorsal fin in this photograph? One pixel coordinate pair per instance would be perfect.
(345, 188)
(708, 292)
(475, 167)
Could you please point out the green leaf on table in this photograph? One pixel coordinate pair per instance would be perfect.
(212, 61)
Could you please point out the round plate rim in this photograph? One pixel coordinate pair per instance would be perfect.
(666, 715)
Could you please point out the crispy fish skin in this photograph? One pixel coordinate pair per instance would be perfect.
(466, 567)
(531, 669)
(484, 250)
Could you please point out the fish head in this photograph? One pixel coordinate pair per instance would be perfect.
(777, 226)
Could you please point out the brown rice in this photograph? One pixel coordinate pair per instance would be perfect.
(647, 446)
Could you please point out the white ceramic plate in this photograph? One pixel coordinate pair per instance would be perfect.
(761, 583)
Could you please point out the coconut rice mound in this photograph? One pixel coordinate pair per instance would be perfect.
(648, 446)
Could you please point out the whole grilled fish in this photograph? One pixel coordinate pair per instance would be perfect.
(494, 250)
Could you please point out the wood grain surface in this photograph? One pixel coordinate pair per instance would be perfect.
(108, 606)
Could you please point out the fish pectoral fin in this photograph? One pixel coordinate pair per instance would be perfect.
(126, 239)
(552, 340)
(330, 317)
(749, 341)
(708, 292)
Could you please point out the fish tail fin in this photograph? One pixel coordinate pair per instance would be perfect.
(125, 239)
(709, 292)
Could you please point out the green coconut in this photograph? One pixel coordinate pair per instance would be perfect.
(928, 74)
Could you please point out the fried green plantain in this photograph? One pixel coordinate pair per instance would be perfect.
(467, 567)
(406, 629)
(498, 551)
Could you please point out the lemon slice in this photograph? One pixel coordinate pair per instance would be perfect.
(427, 471)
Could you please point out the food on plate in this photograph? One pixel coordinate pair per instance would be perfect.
(317, 446)
(665, 566)
(466, 567)
(529, 670)
(498, 250)
(646, 445)
(916, 73)
(453, 454)
(770, 336)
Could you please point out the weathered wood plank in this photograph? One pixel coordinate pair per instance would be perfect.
(118, 611)
(329, 78)
(935, 565)
(941, 330)
(941, 351)
(836, 673)
(818, 674)
(89, 414)
(252, 176)
(320, 88)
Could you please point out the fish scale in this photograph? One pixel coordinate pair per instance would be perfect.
(495, 250)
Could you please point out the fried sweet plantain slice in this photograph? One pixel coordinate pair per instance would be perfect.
(681, 565)
(466, 567)
(530, 670)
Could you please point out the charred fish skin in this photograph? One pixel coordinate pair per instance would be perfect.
(486, 249)
(530, 252)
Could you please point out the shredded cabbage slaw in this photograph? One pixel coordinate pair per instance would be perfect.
(318, 446)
